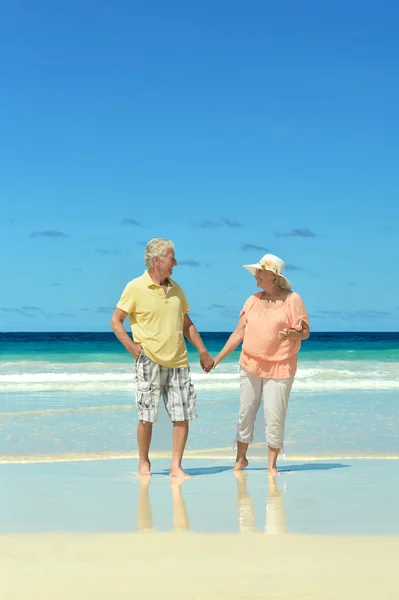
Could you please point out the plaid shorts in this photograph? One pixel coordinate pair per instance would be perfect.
(175, 385)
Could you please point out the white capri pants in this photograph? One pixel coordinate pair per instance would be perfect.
(276, 393)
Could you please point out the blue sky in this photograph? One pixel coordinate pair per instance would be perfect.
(228, 127)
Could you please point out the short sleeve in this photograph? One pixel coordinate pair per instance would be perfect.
(247, 306)
(127, 301)
(298, 314)
(184, 303)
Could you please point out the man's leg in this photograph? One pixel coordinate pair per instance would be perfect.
(147, 400)
(179, 397)
(144, 434)
(180, 434)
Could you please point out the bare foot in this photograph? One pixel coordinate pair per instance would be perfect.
(272, 471)
(241, 463)
(144, 469)
(179, 473)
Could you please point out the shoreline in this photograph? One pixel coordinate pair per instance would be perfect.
(218, 454)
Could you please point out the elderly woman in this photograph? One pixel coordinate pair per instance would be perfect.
(272, 324)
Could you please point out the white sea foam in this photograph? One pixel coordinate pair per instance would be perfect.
(107, 377)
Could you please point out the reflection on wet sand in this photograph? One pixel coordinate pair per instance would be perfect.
(144, 513)
(275, 513)
(180, 515)
(245, 504)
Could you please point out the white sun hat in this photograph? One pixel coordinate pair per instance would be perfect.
(269, 262)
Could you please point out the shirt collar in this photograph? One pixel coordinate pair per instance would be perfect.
(150, 282)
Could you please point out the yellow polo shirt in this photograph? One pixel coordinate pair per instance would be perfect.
(157, 319)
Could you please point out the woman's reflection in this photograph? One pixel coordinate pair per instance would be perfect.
(275, 514)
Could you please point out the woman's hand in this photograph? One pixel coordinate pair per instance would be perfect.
(216, 361)
(295, 334)
(287, 334)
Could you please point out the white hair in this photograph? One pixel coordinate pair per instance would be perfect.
(157, 247)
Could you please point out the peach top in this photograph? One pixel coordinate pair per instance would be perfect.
(263, 353)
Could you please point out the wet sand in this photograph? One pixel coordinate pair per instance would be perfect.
(92, 530)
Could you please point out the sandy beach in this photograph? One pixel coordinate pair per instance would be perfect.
(92, 530)
(198, 567)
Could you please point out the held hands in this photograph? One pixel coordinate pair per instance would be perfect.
(206, 361)
(136, 351)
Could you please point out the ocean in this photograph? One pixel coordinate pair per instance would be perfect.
(68, 396)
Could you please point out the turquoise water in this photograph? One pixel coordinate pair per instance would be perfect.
(63, 394)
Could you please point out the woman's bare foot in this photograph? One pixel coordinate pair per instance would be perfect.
(179, 473)
(241, 463)
(144, 469)
(272, 471)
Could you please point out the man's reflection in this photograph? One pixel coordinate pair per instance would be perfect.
(275, 514)
(180, 515)
(144, 512)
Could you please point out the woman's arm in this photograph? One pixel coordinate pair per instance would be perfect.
(295, 334)
(298, 320)
(234, 340)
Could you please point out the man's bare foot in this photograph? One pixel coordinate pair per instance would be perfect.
(179, 473)
(272, 472)
(241, 464)
(144, 469)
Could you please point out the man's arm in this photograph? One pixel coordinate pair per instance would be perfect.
(116, 323)
(191, 333)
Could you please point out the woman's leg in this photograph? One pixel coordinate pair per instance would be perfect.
(276, 393)
(250, 397)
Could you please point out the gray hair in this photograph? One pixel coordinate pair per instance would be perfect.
(157, 247)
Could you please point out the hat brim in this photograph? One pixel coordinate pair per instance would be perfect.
(284, 282)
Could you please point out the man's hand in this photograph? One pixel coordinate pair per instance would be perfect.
(206, 362)
(136, 351)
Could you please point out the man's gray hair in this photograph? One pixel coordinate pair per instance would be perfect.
(157, 247)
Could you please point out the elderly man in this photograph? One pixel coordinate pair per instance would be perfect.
(157, 308)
